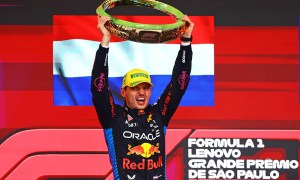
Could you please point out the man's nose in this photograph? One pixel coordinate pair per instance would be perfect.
(141, 91)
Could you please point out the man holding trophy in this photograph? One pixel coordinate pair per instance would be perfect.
(135, 132)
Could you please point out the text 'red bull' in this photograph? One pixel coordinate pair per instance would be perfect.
(147, 164)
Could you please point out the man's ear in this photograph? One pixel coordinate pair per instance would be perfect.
(123, 93)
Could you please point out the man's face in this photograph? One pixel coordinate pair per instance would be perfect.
(137, 97)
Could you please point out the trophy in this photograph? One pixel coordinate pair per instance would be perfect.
(143, 33)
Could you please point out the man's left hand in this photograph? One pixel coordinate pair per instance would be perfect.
(189, 27)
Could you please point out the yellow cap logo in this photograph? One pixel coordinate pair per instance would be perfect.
(135, 77)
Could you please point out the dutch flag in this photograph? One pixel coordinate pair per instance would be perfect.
(76, 40)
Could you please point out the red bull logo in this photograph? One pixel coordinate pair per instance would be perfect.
(141, 112)
(145, 150)
(143, 164)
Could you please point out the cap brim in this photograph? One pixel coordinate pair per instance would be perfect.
(138, 84)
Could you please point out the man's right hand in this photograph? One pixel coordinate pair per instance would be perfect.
(105, 33)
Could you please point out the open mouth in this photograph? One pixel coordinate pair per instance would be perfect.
(140, 100)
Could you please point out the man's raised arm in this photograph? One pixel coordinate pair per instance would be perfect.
(171, 97)
(102, 97)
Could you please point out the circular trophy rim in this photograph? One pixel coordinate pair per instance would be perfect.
(156, 33)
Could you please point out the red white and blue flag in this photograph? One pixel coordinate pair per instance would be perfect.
(76, 40)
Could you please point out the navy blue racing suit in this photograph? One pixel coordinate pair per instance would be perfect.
(136, 138)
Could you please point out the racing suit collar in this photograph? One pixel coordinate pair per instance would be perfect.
(135, 111)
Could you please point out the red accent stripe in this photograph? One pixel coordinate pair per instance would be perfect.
(252, 58)
(48, 140)
(34, 108)
(27, 76)
(256, 72)
(174, 137)
(62, 165)
(246, 105)
(84, 27)
(257, 86)
(26, 43)
(257, 40)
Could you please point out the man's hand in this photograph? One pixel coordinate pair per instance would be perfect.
(105, 33)
(189, 27)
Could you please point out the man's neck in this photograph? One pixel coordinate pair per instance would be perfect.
(137, 111)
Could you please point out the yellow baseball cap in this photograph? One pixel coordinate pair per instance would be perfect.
(135, 77)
